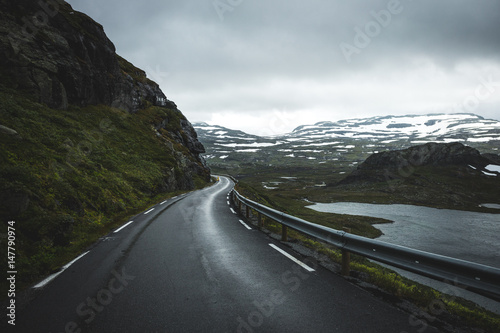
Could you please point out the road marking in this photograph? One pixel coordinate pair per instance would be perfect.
(232, 210)
(163, 202)
(149, 211)
(246, 225)
(53, 276)
(228, 203)
(292, 258)
(123, 226)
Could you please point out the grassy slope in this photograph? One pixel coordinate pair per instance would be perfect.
(72, 175)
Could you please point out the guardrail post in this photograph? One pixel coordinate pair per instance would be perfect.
(247, 212)
(346, 259)
(284, 233)
(259, 220)
(239, 206)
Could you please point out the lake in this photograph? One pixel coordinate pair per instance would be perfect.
(460, 234)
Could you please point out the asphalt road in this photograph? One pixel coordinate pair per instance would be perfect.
(189, 265)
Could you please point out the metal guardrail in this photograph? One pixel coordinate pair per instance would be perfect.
(481, 279)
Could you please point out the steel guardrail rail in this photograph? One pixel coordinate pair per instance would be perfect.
(481, 279)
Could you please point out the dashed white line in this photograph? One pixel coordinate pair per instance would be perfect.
(53, 276)
(292, 258)
(228, 202)
(123, 226)
(149, 211)
(163, 202)
(232, 210)
(245, 225)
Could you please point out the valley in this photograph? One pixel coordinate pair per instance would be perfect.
(312, 164)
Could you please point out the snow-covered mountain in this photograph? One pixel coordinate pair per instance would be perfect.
(416, 128)
(349, 140)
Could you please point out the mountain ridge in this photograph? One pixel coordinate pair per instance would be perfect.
(351, 140)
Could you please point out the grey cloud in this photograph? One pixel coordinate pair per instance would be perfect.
(209, 64)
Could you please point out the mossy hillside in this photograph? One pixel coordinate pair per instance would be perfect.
(69, 176)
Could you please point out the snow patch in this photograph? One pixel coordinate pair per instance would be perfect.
(493, 168)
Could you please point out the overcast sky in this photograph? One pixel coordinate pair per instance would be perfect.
(267, 66)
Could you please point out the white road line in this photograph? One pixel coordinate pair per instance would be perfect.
(149, 211)
(228, 203)
(123, 226)
(163, 202)
(53, 276)
(232, 210)
(246, 225)
(292, 258)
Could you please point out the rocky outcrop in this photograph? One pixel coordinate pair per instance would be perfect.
(397, 164)
(63, 57)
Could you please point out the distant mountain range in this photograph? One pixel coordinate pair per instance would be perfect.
(351, 140)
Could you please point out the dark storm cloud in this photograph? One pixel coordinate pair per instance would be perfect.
(214, 57)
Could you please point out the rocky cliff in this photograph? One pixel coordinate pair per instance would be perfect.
(86, 139)
(63, 57)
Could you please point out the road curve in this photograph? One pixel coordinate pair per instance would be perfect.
(189, 265)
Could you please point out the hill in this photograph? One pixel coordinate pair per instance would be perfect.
(86, 139)
(447, 175)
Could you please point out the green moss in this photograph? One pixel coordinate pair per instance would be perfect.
(136, 73)
(69, 176)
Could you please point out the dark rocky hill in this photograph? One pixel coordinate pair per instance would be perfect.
(64, 57)
(86, 139)
(398, 163)
(446, 175)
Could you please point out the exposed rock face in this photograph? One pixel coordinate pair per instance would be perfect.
(64, 57)
(395, 164)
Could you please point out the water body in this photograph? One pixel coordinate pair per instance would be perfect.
(464, 235)
(460, 234)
